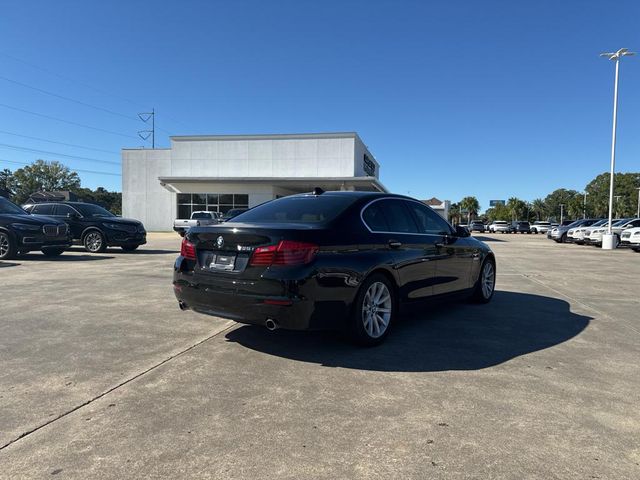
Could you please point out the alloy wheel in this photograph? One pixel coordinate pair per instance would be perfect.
(4, 244)
(93, 241)
(376, 309)
(488, 279)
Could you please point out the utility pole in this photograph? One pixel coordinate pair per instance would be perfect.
(638, 212)
(584, 205)
(561, 213)
(608, 240)
(145, 134)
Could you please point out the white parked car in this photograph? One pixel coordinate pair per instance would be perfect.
(623, 225)
(540, 227)
(593, 236)
(576, 235)
(499, 226)
(631, 237)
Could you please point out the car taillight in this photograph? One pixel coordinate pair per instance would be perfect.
(286, 252)
(188, 250)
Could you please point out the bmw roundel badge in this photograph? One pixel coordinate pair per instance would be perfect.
(220, 241)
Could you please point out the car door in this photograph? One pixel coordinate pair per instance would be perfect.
(412, 253)
(454, 256)
(71, 217)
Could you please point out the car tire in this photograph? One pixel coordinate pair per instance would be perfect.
(8, 246)
(485, 285)
(368, 327)
(563, 238)
(637, 250)
(94, 242)
(53, 252)
(129, 248)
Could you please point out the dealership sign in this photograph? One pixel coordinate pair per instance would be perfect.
(495, 203)
(368, 166)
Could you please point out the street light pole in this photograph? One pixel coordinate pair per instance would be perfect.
(561, 213)
(638, 212)
(584, 205)
(608, 239)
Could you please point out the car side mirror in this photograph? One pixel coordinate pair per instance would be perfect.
(462, 231)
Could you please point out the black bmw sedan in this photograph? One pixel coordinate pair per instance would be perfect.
(330, 260)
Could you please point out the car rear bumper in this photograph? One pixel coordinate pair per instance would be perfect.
(294, 308)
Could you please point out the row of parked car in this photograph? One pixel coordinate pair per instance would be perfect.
(589, 231)
(52, 227)
(501, 226)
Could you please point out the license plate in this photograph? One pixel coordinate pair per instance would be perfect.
(222, 262)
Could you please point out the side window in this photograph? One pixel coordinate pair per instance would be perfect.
(374, 218)
(398, 216)
(63, 210)
(42, 209)
(428, 220)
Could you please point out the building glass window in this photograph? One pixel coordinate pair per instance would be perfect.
(210, 202)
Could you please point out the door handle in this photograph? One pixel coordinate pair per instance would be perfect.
(394, 244)
(440, 244)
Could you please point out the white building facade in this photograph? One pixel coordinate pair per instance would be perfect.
(220, 172)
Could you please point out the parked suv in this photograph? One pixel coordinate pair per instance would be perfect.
(21, 232)
(540, 226)
(499, 226)
(520, 227)
(476, 226)
(94, 226)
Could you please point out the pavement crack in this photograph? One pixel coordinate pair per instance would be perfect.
(118, 386)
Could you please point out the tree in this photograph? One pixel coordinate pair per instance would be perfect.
(539, 208)
(43, 176)
(6, 182)
(625, 187)
(516, 207)
(558, 197)
(471, 206)
(454, 213)
(499, 212)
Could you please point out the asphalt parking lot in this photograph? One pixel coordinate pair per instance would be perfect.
(103, 377)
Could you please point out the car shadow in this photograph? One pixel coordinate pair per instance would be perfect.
(482, 238)
(8, 264)
(118, 250)
(449, 337)
(64, 257)
(142, 251)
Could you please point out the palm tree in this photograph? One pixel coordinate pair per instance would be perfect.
(471, 205)
(539, 207)
(454, 213)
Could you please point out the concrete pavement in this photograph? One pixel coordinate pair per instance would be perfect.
(103, 377)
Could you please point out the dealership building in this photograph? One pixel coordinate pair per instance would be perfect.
(220, 172)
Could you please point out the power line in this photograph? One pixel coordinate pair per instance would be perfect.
(67, 121)
(74, 169)
(59, 143)
(35, 150)
(79, 102)
(74, 80)
(91, 87)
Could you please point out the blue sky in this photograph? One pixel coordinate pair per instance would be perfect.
(492, 98)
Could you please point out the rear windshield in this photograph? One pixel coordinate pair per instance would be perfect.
(306, 209)
(201, 215)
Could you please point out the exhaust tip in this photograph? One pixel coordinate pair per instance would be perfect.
(271, 324)
(183, 306)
